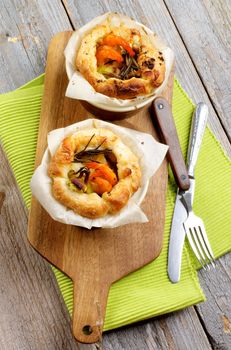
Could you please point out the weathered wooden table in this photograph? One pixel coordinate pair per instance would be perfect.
(32, 312)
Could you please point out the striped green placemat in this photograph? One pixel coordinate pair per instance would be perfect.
(146, 292)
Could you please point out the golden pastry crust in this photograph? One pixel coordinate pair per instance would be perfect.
(150, 60)
(91, 204)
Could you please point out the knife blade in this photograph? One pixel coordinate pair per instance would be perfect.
(177, 233)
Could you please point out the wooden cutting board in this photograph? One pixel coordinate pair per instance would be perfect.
(96, 258)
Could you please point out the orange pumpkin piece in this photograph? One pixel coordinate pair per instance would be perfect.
(113, 40)
(102, 178)
(100, 185)
(104, 171)
(105, 53)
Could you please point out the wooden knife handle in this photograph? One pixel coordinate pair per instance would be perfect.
(162, 115)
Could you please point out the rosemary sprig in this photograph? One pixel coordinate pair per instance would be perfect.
(112, 75)
(79, 156)
(124, 73)
(129, 68)
(88, 143)
(101, 143)
(135, 63)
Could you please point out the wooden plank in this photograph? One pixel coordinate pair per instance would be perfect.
(215, 313)
(32, 311)
(26, 31)
(205, 29)
(155, 15)
(178, 331)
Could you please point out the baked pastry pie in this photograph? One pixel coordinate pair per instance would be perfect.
(94, 173)
(120, 62)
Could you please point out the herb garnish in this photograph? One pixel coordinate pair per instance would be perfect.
(81, 156)
(130, 68)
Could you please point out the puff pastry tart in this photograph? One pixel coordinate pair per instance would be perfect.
(94, 173)
(120, 62)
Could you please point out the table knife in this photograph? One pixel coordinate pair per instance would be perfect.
(164, 122)
(177, 234)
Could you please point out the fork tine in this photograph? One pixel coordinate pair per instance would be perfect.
(205, 238)
(205, 243)
(195, 236)
(201, 244)
(191, 242)
(195, 230)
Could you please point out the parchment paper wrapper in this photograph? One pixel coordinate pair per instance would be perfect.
(150, 154)
(78, 86)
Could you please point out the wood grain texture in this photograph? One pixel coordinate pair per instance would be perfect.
(178, 331)
(215, 314)
(22, 60)
(32, 311)
(93, 259)
(205, 30)
(26, 29)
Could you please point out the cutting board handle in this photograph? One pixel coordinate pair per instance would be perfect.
(90, 300)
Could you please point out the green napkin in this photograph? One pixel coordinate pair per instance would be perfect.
(148, 291)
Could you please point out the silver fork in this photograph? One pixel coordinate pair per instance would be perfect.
(193, 225)
(196, 234)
